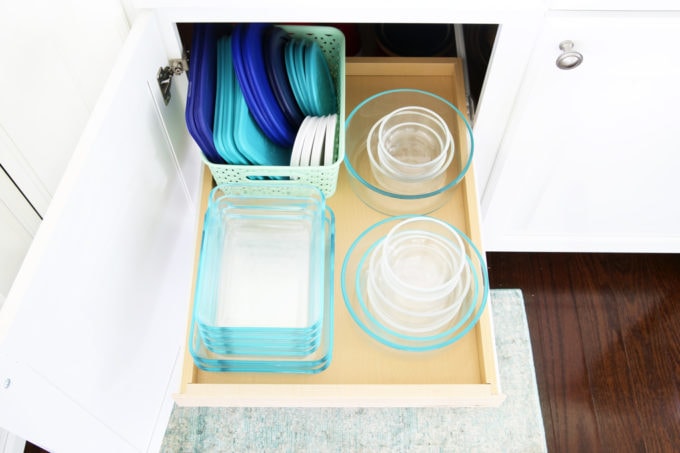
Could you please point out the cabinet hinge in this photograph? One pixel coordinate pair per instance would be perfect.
(176, 66)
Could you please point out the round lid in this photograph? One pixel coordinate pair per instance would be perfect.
(318, 75)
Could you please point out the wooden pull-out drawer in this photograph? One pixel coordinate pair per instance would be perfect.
(363, 372)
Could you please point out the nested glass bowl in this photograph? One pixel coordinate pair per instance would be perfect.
(354, 284)
(414, 143)
(398, 196)
(418, 276)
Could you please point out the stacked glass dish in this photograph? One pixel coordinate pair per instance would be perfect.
(264, 290)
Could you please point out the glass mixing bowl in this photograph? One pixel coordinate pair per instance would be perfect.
(381, 191)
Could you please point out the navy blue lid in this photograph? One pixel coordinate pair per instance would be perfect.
(274, 44)
(200, 109)
(247, 52)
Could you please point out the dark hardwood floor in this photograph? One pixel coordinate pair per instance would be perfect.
(605, 332)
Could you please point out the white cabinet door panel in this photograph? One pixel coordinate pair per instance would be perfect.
(18, 224)
(590, 160)
(91, 331)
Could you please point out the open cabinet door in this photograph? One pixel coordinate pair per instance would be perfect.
(93, 326)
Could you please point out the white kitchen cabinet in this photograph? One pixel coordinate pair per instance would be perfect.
(92, 332)
(590, 158)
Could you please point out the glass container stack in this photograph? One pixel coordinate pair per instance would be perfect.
(264, 291)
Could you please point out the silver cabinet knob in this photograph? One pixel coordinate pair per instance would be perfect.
(569, 58)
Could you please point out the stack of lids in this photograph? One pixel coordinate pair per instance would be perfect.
(250, 92)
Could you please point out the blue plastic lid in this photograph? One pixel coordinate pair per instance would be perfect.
(295, 71)
(242, 74)
(322, 97)
(237, 136)
(300, 71)
(247, 46)
(200, 108)
(225, 102)
(250, 140)
(193, 83)
(275, 42)
(188, 112)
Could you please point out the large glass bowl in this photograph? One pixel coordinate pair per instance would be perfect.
(395, 198)
(353, 280)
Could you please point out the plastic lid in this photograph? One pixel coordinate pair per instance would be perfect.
(200, 108)
(319, 80)
(274, 45)
(247, 45)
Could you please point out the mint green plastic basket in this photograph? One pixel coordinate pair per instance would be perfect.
(332, 43)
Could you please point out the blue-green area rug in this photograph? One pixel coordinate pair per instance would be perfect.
(515, 426)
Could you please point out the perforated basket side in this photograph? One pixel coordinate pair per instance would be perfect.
(332, 43)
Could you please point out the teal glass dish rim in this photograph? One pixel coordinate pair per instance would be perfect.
(414, 345)
(354, 173)
(263, 201)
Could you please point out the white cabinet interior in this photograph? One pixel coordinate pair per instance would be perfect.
(589, 160)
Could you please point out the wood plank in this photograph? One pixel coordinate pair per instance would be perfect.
(611, 384)
(646, 302)
(605, 330)
(568, 412)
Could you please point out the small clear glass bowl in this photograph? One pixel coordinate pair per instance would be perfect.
(389, 179)
(409, 313)
(414, 143)
(422, 257)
